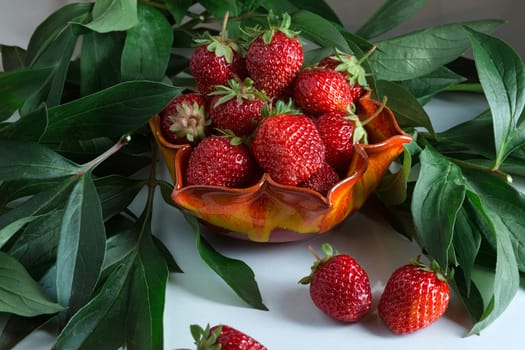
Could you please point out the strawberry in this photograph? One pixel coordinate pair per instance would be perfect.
(339, 132)
(339, 286)
(220, 161)
(415, 296)
(223, 337)
(184, 119)
(351, 67)
(215, 61)
(237, 107)
(288, 146)
(321, 90)
(322, 180)
(274, 58)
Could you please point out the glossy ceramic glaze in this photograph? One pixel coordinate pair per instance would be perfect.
(271, 212)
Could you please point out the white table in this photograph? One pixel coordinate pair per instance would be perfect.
(293, 322)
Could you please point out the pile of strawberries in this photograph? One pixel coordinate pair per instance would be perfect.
(256, 109)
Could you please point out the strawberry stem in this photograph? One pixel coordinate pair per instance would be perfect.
(314, 253)
(223, 27)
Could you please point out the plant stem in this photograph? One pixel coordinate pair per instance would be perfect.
(124, 140)
(153, 4)
(474, 166)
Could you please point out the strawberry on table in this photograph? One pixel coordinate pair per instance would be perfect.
(237, 107)
(274, 58)
(322, 90)
(287, 146)
(223, 337)
(339, 286)
(184, 119)
(415, 296)
(215, 61)
(221, 161)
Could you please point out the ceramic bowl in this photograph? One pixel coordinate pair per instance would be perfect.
(271, 212)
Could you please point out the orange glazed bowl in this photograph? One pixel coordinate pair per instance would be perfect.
(270, 212)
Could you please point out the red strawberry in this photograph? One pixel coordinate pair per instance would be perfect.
(288, 147)
(339, 132)
(184, 119)
(223, 337)
(215, 61)
(339, 286)
(237, 107)
(274, 58)
(220, 161)
(414, 297)
(351, 67)
(322, 180)
(321, 90)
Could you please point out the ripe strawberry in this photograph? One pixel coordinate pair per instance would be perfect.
(184, 119)
(274, 58)
(237, 107)
(223, 337)
(215, 61)
(339, 286)
(351, 67)
(321, 90)
(339, 132)
(220, 161)
(414, 297)
(288, 146)
(322, 180)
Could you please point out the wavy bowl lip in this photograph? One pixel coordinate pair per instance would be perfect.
(271, 212)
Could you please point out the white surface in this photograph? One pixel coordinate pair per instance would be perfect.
(200, 296)
(293, 322)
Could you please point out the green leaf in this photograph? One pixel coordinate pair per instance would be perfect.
(19, 293)
(36, 246)
(501, 284)
(147, 47)
(502, 75)
(17, 86)
(113, 15)
(438, 196)
(116, 193)
(99, 324)
(502, 200)
(427, 86)
(473, 136)
(13, 57)
(219, 8)
(322, 8)
(178, 9)
(41, 203)
(81, 246)
(419, 53)
(100, 61)
(111, 112)
(32, 161)
(393, 187)
(406, 108)
(9, 231)
(31, 129)
(388, 16)
(146, 304)
(16, 328)
(51, 28)
(235, 273)
(319, 30)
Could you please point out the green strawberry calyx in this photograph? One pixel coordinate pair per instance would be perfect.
(240, 90)
(206, 338)
(432, 267)
(329, 253)
(234, 139)
(220, 45)
(352, 66)
(280, 107)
